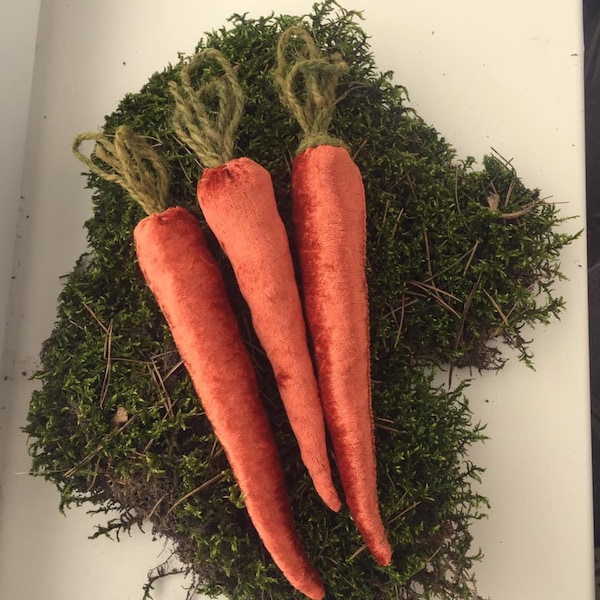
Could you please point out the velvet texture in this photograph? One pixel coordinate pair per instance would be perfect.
(330, 223)
(239, 205)
(190, 291)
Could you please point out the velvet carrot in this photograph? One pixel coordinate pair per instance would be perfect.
(238, 202)
(188, 286)
(329, 214)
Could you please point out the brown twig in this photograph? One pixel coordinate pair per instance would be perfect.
(107, 357)
(206, 484)
(498, 309)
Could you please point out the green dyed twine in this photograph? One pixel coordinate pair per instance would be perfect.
(131, 162)
(210, 136)
(321, 75)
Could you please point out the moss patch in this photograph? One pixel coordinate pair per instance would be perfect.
(459, 259)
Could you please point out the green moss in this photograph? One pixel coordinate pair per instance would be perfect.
(450, 274)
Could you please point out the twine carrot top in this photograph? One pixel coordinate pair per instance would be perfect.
(128, 159)
(211, 136)
(313, 107)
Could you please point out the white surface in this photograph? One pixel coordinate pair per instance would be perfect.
(18, 28)
(484, 77)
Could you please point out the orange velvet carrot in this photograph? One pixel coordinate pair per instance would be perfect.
(238, 202)
(329, 220)
(329, 214)
(188, 286)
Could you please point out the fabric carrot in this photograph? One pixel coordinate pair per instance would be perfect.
(189, 288)
(329, 214)
(238, 202)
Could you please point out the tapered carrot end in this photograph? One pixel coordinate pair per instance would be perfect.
(332, 500)
(315, 592)
(324, 484)
(383, 554)
(307, 581)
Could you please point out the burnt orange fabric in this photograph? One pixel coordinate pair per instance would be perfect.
(330, 225)
(189, 288)
(239, 205)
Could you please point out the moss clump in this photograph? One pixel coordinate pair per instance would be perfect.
(458, 259)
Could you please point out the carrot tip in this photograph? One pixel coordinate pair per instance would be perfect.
(334, 503)
(329, 497)
(317, 594)
(383, 555)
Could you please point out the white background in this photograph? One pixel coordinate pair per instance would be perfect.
(506, 75)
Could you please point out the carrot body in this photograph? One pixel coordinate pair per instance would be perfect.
(238, 202)
(330, 224)
(189, 288)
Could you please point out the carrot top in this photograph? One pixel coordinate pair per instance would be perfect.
(210, 134)
(129, 160)
(314, 108)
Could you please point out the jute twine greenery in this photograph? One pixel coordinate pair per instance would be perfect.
(321, 76)
(130, 161)
(211, 136)
(462, 263)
